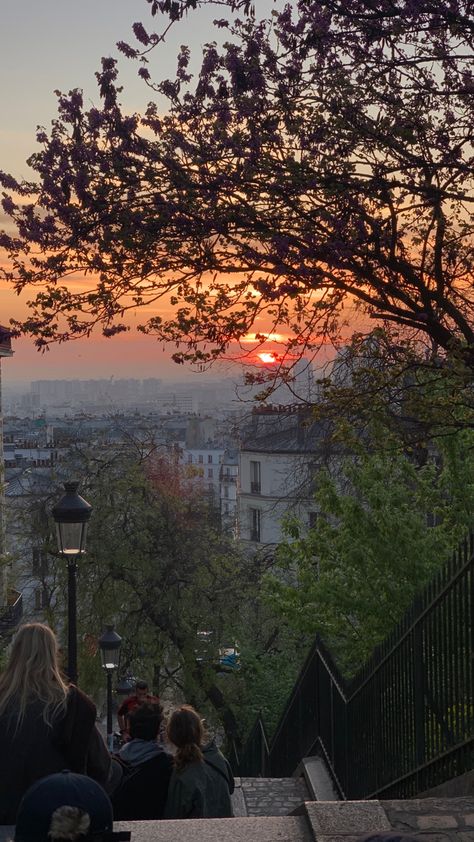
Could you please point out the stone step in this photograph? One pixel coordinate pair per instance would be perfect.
(271, 796)
(252, 829)
(444, 820)
(437, 819)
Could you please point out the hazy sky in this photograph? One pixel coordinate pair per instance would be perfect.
(57, 44)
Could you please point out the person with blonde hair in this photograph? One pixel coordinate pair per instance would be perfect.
(46, 724)
(202, 780)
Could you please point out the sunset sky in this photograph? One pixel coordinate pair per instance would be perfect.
(57, 44)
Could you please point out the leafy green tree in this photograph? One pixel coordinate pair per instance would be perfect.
(376, 381)
(158, 567)
(270, 669)
(387, 520)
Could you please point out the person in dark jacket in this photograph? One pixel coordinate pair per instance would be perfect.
(146, 768)
(202, 781)
(46, 724)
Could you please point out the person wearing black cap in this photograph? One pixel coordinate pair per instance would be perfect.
(66, 806)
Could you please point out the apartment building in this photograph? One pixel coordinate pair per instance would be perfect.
(279, 455)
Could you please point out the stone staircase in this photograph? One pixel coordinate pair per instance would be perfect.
(432, 819)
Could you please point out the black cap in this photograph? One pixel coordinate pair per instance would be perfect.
(45, 810)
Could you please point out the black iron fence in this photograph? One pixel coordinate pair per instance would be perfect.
(405, 722)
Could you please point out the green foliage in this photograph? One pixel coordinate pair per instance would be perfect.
(268, 676)
(385, 524)
(160, 569)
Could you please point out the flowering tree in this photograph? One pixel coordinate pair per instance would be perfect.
(322, 157)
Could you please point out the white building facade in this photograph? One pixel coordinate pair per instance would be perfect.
(278, 460)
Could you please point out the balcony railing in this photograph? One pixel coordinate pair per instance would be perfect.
(11, 614)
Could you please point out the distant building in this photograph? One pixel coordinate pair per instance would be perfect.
(280, 452)
(200, 430)
(203, 466)
(229, 485)
(10, 599)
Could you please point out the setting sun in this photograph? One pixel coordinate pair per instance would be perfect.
(267, 357)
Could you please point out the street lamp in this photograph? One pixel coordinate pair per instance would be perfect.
(71, 516)
(110, 643)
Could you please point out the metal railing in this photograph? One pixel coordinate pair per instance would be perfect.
(405, 722)
(255, 753)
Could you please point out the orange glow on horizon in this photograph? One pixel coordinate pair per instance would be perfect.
(251, 338)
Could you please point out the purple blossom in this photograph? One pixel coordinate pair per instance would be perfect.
(95, 119)
(141, 34)
(8, 181)
(126, 49)
(8, 205)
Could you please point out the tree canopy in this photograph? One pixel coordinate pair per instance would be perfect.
(388, 517)
(320, 160)
(178, 590)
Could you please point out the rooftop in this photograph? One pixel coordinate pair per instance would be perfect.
(5, 342)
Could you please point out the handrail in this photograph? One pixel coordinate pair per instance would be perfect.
(316, 648)
(422, 613)
(405, 722)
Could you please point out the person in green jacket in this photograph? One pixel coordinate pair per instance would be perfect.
(202, 782)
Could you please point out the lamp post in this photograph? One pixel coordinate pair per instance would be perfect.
(71, 516)
(110, 643)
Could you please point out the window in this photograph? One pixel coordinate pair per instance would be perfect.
(210, 472)
(226, 490)
(226, 508)
(36, 561)
(209, 458)
(312, 519)
(255, 477)
(190, 458)
(40, 562)
(201, 459)
(41, 598)
(255, 524)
